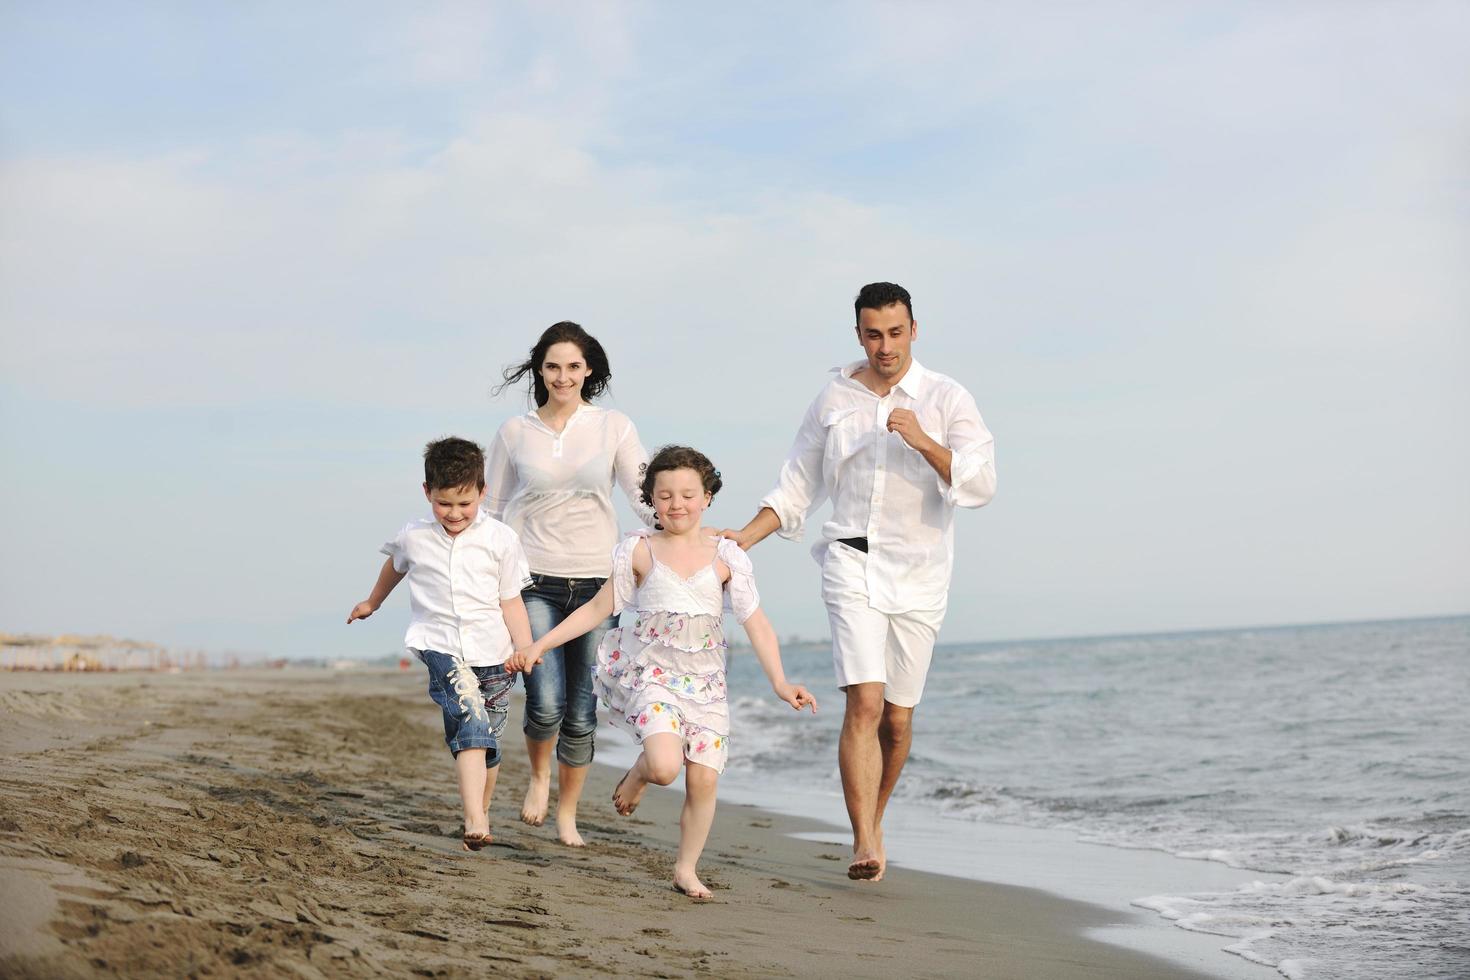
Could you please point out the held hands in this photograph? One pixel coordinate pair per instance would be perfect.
(906, 424)
(524, 659)
(362, 610)
(795, 695)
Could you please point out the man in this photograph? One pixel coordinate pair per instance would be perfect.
(897, 447)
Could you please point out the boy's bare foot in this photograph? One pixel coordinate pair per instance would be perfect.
(533, 809)
(476, 839)
(867, 865)
(688, 883)
(566, 830)
(625, 802)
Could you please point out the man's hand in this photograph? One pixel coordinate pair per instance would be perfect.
(739, 537)
(362, 610)
(906, 424)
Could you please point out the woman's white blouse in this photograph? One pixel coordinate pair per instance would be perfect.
(555, 490)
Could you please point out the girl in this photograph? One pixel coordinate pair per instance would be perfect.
(664, 678)
(550, 477)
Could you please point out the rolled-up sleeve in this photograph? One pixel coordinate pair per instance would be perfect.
(800, 489)
(972, 465)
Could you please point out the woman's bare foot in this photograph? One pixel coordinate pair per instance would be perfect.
(533, 809)
(626, 801)
(566, 829)
(688, 883)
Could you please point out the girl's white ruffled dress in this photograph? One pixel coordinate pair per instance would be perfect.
(666, 672)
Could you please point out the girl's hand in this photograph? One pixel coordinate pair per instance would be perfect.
(524, 659)
(796, 696)
(362, 610)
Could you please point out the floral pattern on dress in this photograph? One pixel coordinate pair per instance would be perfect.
(665, 673)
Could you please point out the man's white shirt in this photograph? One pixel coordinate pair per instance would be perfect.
(456, 584)
(883, 490)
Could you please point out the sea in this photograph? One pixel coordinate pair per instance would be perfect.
(1330, 764)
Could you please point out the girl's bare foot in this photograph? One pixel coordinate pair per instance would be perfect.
(533, 809)
(625, 801)
(566, 829)
(688, 883)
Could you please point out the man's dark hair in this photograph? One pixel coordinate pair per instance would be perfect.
(451, 463)
(565, 332)
(679, 458)
(877, 295)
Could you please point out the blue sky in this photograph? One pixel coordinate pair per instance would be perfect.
(1202, 266)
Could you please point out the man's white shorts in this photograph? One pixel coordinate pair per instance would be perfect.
(868, 646)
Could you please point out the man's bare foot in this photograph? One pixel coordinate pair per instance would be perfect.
(625, 802)
(688, 883)
(866, 865)
(533, 809)
(566, 830)
(882, 857)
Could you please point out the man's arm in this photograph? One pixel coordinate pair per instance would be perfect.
(906, 424)
(799, 487)
(388, 578)
(753, 533)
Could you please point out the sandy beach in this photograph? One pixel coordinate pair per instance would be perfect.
(304, 822)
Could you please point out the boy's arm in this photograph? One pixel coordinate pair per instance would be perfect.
(517, 621)
(768, 652)
(594, 611)
(388, 578)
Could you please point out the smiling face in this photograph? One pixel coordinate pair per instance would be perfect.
(679, 499)
(563, 370)
(455, 507)
(887, 336)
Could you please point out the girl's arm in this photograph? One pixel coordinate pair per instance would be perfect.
(594, 611)
(388, 577)
(768, 652)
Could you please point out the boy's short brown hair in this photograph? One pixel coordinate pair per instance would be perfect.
(451, 462)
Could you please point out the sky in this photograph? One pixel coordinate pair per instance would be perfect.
(1203, 267)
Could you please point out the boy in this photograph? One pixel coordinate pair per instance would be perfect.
(465, 574)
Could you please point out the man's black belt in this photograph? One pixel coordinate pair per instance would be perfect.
(861, 544)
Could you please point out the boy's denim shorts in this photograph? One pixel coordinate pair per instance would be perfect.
(475, 702)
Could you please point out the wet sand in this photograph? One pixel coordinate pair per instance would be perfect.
(305, 823)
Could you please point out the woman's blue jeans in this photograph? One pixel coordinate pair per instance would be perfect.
(560, 702)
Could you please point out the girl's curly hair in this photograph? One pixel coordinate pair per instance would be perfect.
(679, 458)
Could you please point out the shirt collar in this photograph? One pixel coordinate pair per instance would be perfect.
(480, 515)
(584, 409)
(911, 385)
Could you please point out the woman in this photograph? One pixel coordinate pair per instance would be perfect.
(550, 475)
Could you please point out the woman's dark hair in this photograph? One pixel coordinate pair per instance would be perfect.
(565, 332)
(679, 458)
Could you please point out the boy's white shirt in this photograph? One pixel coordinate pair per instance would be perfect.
(456, 585)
